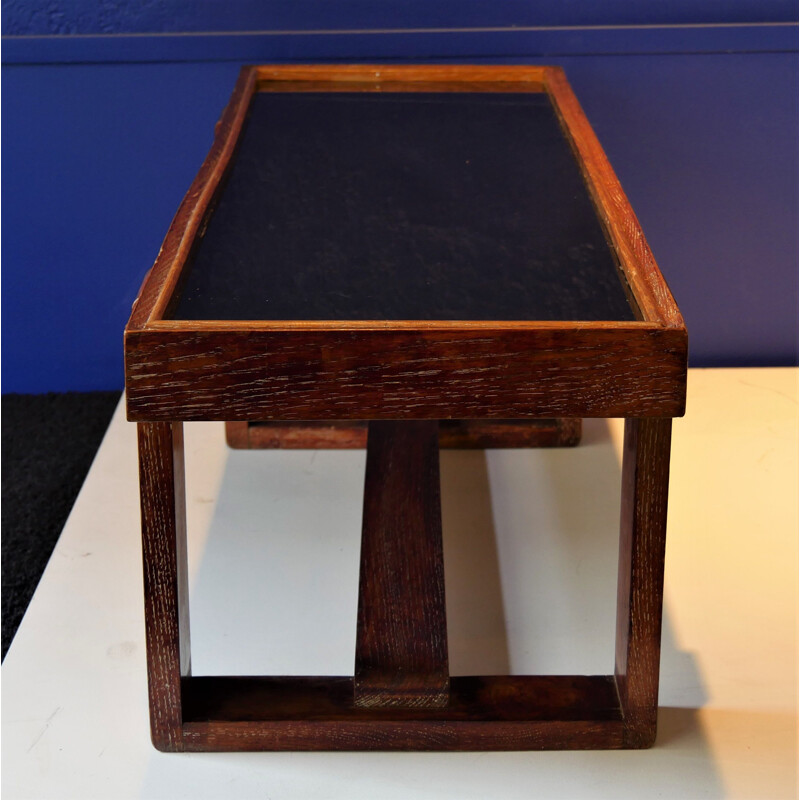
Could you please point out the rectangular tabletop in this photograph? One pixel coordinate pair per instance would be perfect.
(403, 206)
(419, 242)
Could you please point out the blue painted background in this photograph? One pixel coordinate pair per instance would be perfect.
(25, 17)
(103, 134)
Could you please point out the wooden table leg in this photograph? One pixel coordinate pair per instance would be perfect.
(166, 595)
(645, 482)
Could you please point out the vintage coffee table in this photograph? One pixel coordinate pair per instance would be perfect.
(407, 246)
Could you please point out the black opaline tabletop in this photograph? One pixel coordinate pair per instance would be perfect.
(407, 206)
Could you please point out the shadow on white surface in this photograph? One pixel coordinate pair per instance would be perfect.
(531, 548)
(476, 619)
(275, 588)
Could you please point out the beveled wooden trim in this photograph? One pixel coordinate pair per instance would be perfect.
(159, 284)
(294, 374)
(649, 288)
(405, 73)
(452, 326)
(401, 633)
(379, 86)
(484, 713)
(352, 434)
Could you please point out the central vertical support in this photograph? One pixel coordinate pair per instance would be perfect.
(401, 640)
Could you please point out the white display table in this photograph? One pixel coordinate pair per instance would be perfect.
(531, 553)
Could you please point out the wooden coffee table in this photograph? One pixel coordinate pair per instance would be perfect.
(366, 252)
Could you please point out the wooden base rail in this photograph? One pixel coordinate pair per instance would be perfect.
(483, 713)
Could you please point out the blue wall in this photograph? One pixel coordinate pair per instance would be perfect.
(104, 133)
(69, 17)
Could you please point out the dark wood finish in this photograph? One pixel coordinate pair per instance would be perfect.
(484, 713)
(166, 591)
(643, 528)
(493, 697)
(453, 433)
(401, 638)
(410, 370)
(429, 735)
(563, 370)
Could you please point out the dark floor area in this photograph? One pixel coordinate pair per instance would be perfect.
(48, 444)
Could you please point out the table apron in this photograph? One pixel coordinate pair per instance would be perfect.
(405, 374)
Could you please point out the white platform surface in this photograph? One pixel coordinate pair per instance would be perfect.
(531, 551)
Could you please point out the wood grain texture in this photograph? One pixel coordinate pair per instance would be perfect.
(352, 434)
(649, 288)
(401, 635)
(645, 485)
(484, 713)
(166, 593)
(411, 370)
(490, 373)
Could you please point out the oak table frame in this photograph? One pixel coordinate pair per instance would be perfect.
(402, 696)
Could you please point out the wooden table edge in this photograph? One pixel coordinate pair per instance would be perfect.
(545, 371)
